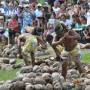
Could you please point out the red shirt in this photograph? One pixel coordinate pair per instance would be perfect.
(13, 25)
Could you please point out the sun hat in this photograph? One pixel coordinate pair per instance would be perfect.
(39, 4)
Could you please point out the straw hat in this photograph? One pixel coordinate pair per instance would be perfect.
(29, 29)
(39, 4)
(26, 5)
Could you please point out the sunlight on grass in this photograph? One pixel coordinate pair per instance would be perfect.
(86, 58)
(7, 75)
(19, 61)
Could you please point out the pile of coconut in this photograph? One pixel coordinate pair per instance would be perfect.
(46, 75)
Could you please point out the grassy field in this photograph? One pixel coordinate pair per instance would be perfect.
(7, 75)
(86, 57)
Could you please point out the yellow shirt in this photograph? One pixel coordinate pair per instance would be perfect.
(30, 44)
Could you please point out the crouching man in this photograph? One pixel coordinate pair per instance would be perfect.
(29, 43)
(71, 51)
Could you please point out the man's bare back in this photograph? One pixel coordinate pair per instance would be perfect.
(70, 40)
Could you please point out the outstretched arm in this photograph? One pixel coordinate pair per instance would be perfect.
(58, 42)
(19, 39)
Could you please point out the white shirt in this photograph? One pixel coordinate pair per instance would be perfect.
(38, 13)
(56, 10)
(67, 22)
(88, 18)
(51, 21)
(2, 10)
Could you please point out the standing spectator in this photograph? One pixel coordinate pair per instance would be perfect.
(2, 7)
(27, 18)
(11, 10)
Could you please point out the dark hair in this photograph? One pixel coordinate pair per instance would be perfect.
(88, 27)
(76, 16)
(83, 17)
(37, 31)
(58, 29)
(16, 17)
(54, 14)
(49, 38)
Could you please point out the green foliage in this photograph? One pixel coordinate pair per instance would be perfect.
(42, 1)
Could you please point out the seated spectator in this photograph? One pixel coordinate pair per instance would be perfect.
(2, 18)
(52, 20)
(38, 11)
(76, 8)
(83, 21)
(76, 23)
(20, 15)
(50, 30)
(64, 20)
(87, 34)
(56, 7)
(13, 27)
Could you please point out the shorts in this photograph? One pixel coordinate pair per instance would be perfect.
(60, 48)
(71, 54)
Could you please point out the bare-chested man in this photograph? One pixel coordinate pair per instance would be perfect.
(71, 50)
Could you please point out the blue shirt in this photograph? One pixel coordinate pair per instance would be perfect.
(27, 20)
(38, 13)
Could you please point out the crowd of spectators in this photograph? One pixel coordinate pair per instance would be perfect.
(21, 16)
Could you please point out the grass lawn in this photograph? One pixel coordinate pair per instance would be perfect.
(7, 75)
(86, 57)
